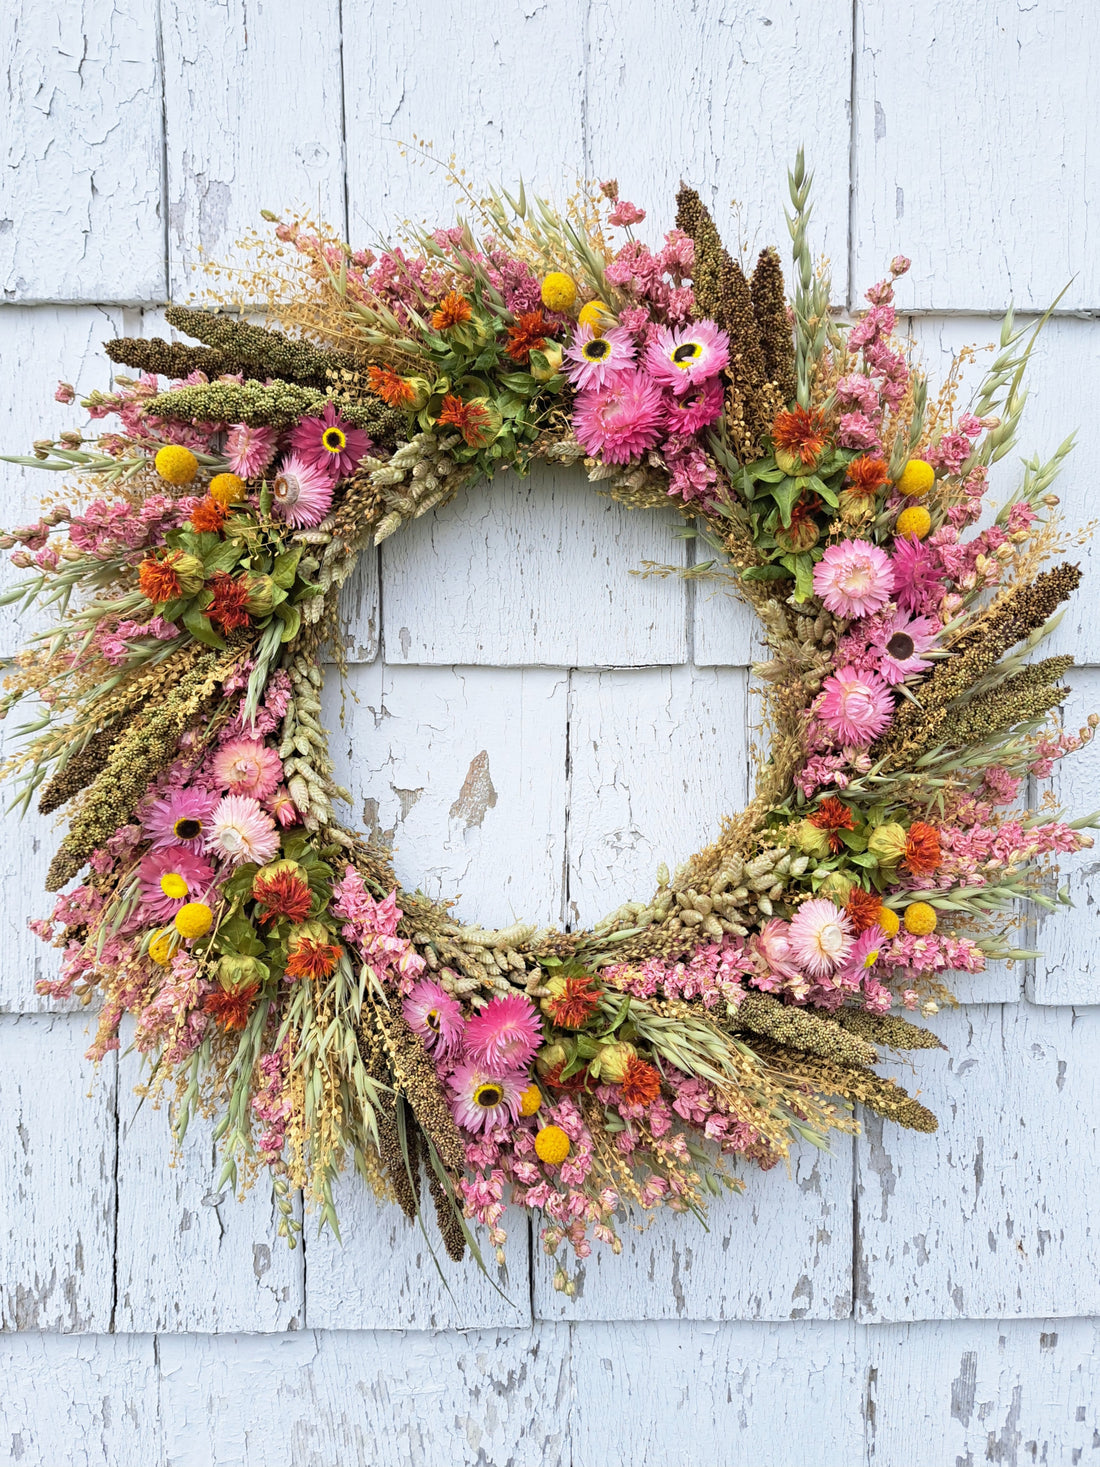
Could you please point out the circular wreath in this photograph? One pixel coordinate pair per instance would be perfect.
(276, 974)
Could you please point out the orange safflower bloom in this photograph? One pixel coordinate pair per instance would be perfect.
(576, 1004)
(208, 514)
(922, 849)
(158, 580)
(527, 335)
(229, 607)
(313, 959)
(801, 432)
(470, 418)
(452, 310)
(641, 1083)
(392, 388)
(862, 908)
(230, 1010)
(833, 817)
(284, 894)
(867, 475)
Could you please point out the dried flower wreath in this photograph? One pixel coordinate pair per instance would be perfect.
(275, 974)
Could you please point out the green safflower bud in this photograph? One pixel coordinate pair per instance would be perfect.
(809, 839)
(887, 842)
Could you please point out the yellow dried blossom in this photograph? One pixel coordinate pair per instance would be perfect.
(558, 292)
(176, 464)
(194, 919)
(227, 489)
(914, 521)
(889, 921)
(552, 1145)
(530, 1101)
(597, 315)
(920, 919)
(916, 478)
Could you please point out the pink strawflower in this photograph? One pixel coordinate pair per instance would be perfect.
(854, 706)
(246, 767)
(302, 493)
(820, 937)
(593, 359)
(242, 830)
(865, 952)
(159, 878)
(180, 819)
(688, 355)
(283, 807)
(329, 443)
(249, 450)
(695, 409)
(918, 581)
(504, 1035)
(772, 948)
(435, 1016)
(621, 420)
(480, 1100)
(854, 578)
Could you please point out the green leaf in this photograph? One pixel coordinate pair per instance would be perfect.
(786, 496)
(286, 567)
(222, 556)
(291, 618)
(201, 629)
(766, 573)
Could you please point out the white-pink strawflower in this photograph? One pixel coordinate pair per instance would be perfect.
(854, 579)
(820, 937)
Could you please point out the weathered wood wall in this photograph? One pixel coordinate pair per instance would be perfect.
(537, 728)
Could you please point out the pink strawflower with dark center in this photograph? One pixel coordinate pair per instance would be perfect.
(480, 1100)
(169, 878)
(180, 819)
(854, 706)
(621, 420)
(593, 359)
(820, 937)
(696, 408)
(854, 579)
(329, 443)
(901, 644)
(241, 830)
(248, 450)
(301, 493)
(504, 1035)
(683, 357)
(435, 1016)
(246, 767)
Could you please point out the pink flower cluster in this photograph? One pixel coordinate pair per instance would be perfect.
(631, 400)
(370, 927)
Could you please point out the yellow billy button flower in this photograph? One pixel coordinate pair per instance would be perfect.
(889, 921)
(173, 886)
(176, 464)
(195, 919)
(597, 315)
(530, 1100)
(916, 478)
(920, 919)
(160, 948)
(552, 1145)
(558, 292)
(915, 520)
(227, 489)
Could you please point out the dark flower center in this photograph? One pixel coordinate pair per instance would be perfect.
(595, 351)
(901, 646)
(488, 1095)
(333, 440)
(431, 1018)
(687, 353)
(187, 828)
